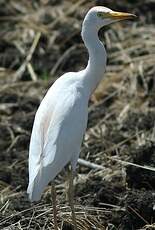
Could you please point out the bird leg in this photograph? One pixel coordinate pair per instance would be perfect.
(71, 197)
(54, 203)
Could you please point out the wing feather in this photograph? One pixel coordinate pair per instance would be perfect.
(54, 139)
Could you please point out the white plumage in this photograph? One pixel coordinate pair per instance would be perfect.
(53, 141)
(61, 119)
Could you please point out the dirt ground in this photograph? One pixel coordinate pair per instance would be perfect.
(40, 40)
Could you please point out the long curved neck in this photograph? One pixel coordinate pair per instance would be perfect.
(95, 69)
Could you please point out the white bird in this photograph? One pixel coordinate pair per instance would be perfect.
(61, 119)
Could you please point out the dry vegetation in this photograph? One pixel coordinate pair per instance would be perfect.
(40, 40)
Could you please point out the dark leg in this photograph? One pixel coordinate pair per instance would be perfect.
(71, 197)
(54, 203)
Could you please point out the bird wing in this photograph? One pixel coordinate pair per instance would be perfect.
(66, 128)
(56, 137)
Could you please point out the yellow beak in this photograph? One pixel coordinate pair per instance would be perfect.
(121, 15)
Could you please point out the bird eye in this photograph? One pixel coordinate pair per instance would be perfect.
(100, 14)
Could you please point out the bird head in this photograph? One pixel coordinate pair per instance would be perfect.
(100, 16)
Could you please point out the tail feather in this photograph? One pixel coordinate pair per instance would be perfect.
(43, 177)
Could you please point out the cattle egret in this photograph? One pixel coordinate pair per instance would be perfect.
(61, 119)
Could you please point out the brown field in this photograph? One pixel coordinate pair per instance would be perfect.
(40, 40)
